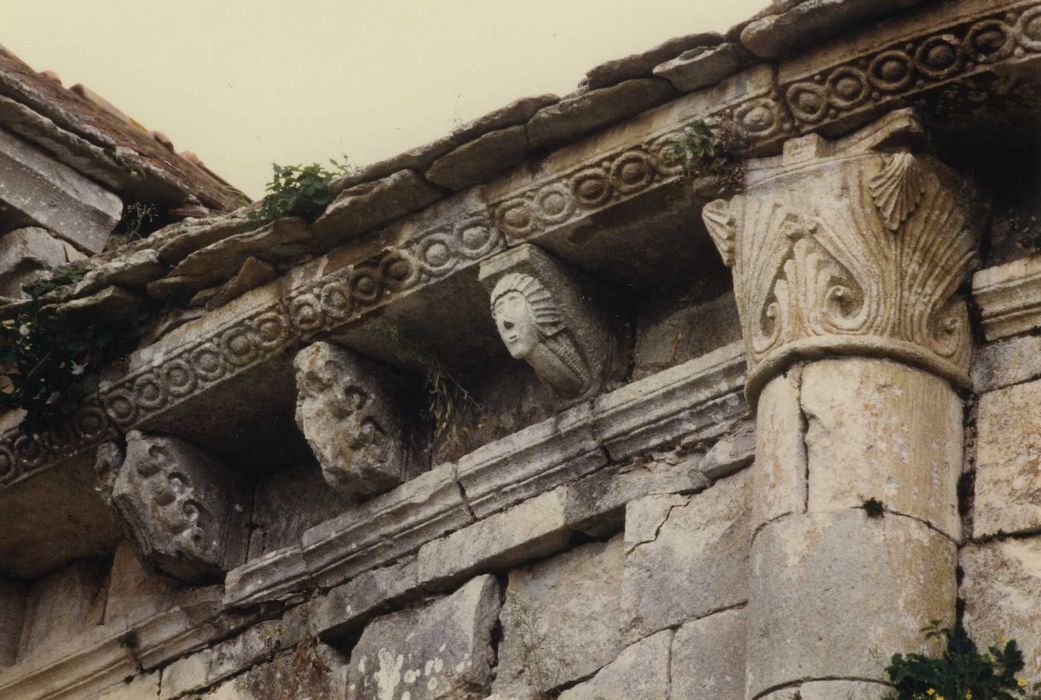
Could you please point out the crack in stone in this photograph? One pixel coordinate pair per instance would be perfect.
(657, 530)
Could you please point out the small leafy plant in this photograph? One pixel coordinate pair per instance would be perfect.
(709, 156)
(961, 672)
(137, 219)
(299, 190)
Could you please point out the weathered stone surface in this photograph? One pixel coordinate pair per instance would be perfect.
(68, 602)
(253, 273)
(177, 241)
(135, 270)
(812, 22)
(112, 305)
(347, 409)
(1006, 362)
(640, 65)
(514, 114)
(830, 690)
(731, 453)
(308, 673)
(40, 191)
(386, 527)
(1008, 461)
(1009, 297)
(28, 255)
(809, 575)
(134, 593)
(640, 671)
(416, 159)
(672, 331)
(1001, 589)
(561, 619)
(584, 112)
(12, 611)
(527, 531)
(347, 607)
(479, 160)
(286, 503)
(441, 650)
(277, 575)
(884, 431)
(686, 556)
(185, 510)
(702, 67)
(708, 657)
(142, 687)
(364, 207)
(547, 316)
(596, 503)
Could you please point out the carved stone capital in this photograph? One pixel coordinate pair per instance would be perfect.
(545, 317)
(184, 510)
(347, 409)
(857, 247)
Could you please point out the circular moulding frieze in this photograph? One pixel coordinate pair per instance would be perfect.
(399, 271)
(808, 101)
(270, 330)
(1028, 29)
(207, 361)
(120, 407)
(758, 118)
(9, 468)
(148, 392)
(661, 150)
(30, 452)
(178, 377)
(591, 187)
(891, 71)
(553, 204)
(632, 172)
(335, 300)
(90, 423)
(305, 311)
(476, 239)
(238, 346)
(365, 285)
(990, 40)
(514, 218)
(436, 253)
(939, 57)
(847, 87)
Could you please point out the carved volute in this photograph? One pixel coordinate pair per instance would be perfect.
(857, 247)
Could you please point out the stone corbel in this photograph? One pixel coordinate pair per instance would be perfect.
(348, 409)
(184, 511)
(870, 264)
(545, 316)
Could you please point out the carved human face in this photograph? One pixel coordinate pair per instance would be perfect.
(516, 323)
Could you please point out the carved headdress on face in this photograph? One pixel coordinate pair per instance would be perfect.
(552, 353)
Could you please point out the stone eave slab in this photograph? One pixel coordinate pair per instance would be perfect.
(1009, 297)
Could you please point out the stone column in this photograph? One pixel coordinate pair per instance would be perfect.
(847, 260)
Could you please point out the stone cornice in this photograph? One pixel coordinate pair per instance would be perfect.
(1009, 297)
(699, 398)
(829, 90)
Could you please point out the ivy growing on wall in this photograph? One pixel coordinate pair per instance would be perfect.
(299, 190)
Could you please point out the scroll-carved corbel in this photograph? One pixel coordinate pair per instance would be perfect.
(545, 317)
(347, 409)
(184, 510)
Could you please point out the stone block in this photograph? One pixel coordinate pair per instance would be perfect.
(278, 575)
(831, 690)
(640, 65)
(347, 409)
(12, 612)
(515, 113)
(703, 66)
(884, 431)
(210, 666)
(640, 671)
(686, 556)
(1008, 461)
(134, 592)
(479, 160)
(1006, 362)
(708, 657)
(873, 583)
(286, 503)
(386, 527)
(346, 608)
(40, 191)
(141, 687)
(69, 602)
(1009, 297)
(28, 255)
(812, 22)
(1001, 590)
(440, 650)
(561, 620)
(186, 511)
(527, 531)
(731, 453)
(311, 672)
(584, 112)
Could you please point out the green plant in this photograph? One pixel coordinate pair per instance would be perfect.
(62, 277)
(298, 190)
(136, 218)
(961, 672)
(709, 155)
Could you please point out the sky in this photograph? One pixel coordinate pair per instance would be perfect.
(245, 83)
